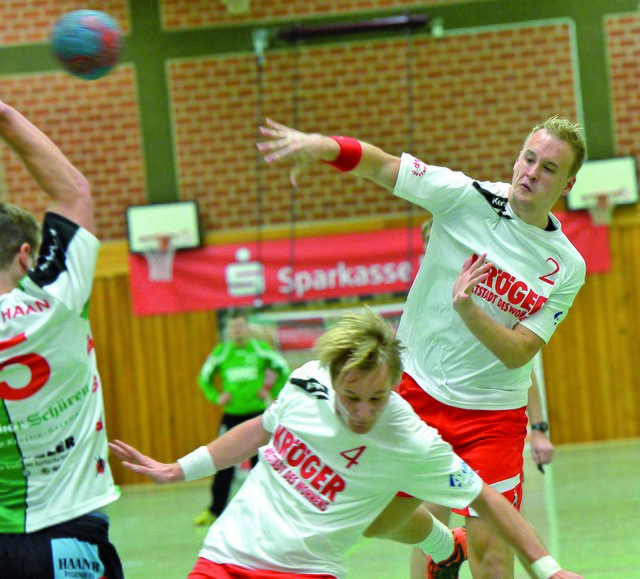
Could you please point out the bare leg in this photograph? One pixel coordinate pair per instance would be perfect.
(489, 556)
(418, 558)
(404, 520)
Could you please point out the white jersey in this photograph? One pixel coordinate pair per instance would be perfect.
(53, 445)
(536, 276)
(318, 485)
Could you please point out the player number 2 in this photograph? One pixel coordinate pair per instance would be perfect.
(352, 455)
(38, 366)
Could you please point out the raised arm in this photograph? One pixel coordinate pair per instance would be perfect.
(66, 186)
(514, 347)
(303, 148)
(233, 447)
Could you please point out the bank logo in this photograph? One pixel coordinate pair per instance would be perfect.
(245, 277)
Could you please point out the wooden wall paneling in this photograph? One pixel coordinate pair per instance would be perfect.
(593, 386)
(149, 367)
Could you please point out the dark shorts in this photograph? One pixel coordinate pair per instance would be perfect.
(77, 549)
(491, 442)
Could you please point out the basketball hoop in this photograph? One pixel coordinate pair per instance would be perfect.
(602, 211)
(160, 258)
(601, 204)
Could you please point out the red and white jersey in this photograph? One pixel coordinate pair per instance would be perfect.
(535, 277)
(53, 445)
(318, 485)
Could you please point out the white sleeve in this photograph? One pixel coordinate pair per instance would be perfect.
(545, 321)
(67, 262)
(271, 417)
(437, 189)
(441, 476)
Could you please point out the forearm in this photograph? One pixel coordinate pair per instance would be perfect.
(378, 166)
(375, 165)
(508, 345)
(287, 143)
(509, 524)
(534, 404)
(66, 186)
(239, 443)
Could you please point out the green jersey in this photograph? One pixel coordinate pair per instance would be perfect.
(243, 370)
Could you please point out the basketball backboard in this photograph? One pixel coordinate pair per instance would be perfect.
(150, 226)
(615, 179)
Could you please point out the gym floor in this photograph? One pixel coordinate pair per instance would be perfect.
(585, 508)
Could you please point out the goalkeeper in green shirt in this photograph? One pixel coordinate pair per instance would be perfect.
(242, 362)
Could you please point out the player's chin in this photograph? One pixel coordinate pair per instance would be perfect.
(361, 427)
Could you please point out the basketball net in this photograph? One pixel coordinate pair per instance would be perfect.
(160, 259)
(602, 211)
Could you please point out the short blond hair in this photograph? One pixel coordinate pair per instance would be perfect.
(566, 131)
(360, 341)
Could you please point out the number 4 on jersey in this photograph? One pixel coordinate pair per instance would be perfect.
(352, 455)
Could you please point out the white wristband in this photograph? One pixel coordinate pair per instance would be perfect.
(197, 464)
(545, 567)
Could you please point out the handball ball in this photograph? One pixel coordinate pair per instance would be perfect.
(87, 43)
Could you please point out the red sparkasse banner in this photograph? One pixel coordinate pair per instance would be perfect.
(312, 268)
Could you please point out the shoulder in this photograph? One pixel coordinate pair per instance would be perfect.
(312, 380)
(405, 425)
(63, 242)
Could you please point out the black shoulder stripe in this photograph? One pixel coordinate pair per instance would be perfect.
(57, 233)
(312, 387)
(498, 204)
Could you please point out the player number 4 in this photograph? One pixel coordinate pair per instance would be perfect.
(352, 455)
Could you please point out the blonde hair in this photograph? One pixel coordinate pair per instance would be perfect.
(17, 226)
(360, 341)
(566, 131)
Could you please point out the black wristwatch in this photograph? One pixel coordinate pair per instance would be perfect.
(541, 426)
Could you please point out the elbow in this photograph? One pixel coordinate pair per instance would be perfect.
(516, 358)
(82, 198)
(514, 363)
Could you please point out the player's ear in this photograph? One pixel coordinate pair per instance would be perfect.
(570, 183)
(24, 256)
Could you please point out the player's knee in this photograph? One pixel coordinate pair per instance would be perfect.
(494, 561)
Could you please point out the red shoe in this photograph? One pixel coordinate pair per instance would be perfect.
(449, 568)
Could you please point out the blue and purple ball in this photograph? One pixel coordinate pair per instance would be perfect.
(87, 43)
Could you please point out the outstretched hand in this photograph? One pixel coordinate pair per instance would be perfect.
(134, 460)
(474, 271)
(296, 146)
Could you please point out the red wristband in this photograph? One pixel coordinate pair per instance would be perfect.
(350, 154)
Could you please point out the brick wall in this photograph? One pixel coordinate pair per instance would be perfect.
(623, 33)
(96, 125)
(475, 96)
(201, 13)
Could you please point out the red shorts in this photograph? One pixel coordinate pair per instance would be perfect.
(491, 442)
(205, 569)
